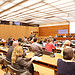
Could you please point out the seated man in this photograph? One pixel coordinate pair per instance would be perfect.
(35, 45)
(10, 50)
(66, 66)
(70, 36)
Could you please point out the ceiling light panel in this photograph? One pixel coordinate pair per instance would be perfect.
(17, 1)
(1, 2)
(29, 2)
(61, 14)
(7, 5)
(50, 1)
(69, 7)
(54, 18)
(16, 8)
(1, 10)
(65, 5)
(23, 10)
(30, 11)
(36, 5)
(42, 7)
(48, 9)
(61, 2)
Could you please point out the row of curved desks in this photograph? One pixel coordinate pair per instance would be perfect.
(63, 38)
(45, 60)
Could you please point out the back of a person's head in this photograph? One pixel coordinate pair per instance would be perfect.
(68, 53)
(67, 43)
(35, 39)
(18, 51)
(15, 43)
(48, 41)
(20, 40)
(54, 39)
(45, 40)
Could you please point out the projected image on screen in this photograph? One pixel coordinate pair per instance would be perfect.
(17, 23)
(72, 28)
(63, 31)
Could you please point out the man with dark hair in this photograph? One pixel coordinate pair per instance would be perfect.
(35, 45)
(20, 40)
(35, 39)
(68, 54)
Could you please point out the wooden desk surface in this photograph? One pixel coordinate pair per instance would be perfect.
(47, 59)
(3, 50)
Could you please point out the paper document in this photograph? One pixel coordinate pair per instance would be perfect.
(37, 58)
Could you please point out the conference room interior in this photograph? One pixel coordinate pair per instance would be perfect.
(48, 21)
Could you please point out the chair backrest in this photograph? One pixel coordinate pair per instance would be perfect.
(12, 70)
(46, 52)
(6, 62)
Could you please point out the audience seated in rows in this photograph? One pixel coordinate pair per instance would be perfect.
(66, 66)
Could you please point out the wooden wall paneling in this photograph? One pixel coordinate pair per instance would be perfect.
(16, 31)
(52, 30)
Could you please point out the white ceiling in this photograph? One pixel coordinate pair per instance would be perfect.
(37, 11)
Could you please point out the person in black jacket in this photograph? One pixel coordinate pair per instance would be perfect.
(66, 66)
(20, 63)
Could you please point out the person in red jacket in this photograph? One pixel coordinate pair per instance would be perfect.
(49, 46)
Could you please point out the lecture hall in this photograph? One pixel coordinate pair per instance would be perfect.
(37, 37)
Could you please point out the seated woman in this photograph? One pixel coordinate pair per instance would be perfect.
(66, 45)
(44, 42)
(20, 63)
(66, 66)
(49, 46)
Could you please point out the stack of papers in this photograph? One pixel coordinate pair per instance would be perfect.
(37, 58)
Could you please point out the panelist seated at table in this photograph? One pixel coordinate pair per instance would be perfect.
(20, 63)
(60, 36)
(65, 36)
(66, 66)
(70, 36)
(74, 36)
(49, 46)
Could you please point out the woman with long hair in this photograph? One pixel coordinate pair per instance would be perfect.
(19, 63)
